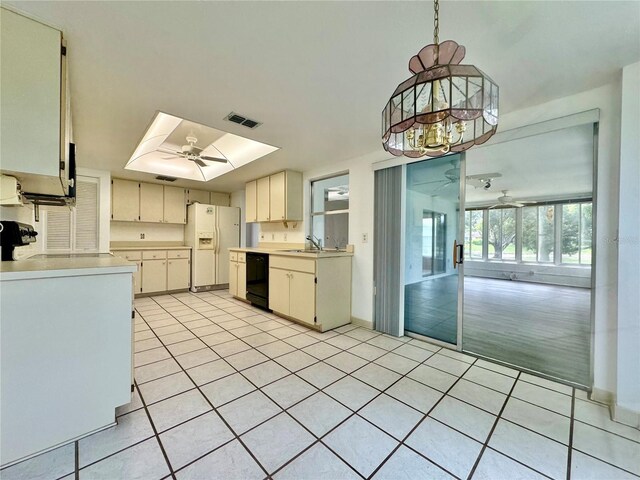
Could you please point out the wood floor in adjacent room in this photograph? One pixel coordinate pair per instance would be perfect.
(542, 327)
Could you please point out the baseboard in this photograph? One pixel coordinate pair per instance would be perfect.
(625, 416)
(602, 396)
(362, 323)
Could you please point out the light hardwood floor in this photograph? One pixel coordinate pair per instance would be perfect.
(545, 328)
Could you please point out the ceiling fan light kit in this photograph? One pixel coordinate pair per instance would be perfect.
(444, 107)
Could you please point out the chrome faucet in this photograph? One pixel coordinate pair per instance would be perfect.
(315, 241)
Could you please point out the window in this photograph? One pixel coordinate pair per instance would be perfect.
(557, 234)
(576, 233)
(434, 236)
(330, 210)
(74, 229)
(502, 234)
(474, 221)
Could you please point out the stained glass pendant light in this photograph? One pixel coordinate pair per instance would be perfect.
(444, 107)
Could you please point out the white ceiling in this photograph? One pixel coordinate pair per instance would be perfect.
(317, 74)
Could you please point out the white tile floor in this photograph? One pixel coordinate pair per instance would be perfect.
(227, 391)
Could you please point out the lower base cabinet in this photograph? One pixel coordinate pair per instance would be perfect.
(159, 270)
(154, 278)
(238, 275)
(316, 292)
(178, 273)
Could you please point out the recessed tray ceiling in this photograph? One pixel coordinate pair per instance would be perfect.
(159, 150)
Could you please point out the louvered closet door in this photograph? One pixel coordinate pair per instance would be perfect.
(58, 237)
(86, 234)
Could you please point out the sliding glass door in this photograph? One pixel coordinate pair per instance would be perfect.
(433, 248)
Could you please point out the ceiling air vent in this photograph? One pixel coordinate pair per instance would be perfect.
(244, 121)
(166, 179)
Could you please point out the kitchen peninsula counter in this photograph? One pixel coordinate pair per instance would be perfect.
(65, 349)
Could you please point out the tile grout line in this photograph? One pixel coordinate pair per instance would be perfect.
(285, 411)
(155, 431)
(76, 454)
(415, 427)
(432, 353)
(322, 360)
(328, 385)
(236, 436)
(573, 410)
(493, 428)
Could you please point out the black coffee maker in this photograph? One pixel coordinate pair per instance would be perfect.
(14, 234)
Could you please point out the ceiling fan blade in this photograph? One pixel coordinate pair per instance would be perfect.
(172, 156)
(200, 162)
(494, 206)
(214, 159)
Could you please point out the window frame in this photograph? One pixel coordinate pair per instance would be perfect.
(324, 213)
(518, 241)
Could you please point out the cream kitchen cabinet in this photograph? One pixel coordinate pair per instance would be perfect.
(238, 275)
(292, 287)
(125, 200)
(154, 271)
(159, 270)
(262, 199)
(251, 201)
(34, 122)
(175, 205)
(151, 203)
(147, 202)
(200, 196)
(178, 273)
(208, 198)
(285, 196)
(276, 198)
(316, 292)
(220, 199)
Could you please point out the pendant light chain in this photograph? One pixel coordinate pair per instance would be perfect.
(436, 27)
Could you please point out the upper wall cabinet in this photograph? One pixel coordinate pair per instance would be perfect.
(263, 195)
(125, 200)
(210, 198)
(151, 203)
(251, 201)
(147, 202)
(175, 207)
(33, 105)
(276, 198)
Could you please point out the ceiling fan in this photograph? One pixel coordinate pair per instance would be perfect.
(341, 190)
(193, 153)
(507, 201)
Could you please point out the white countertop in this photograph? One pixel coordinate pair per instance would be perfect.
(52, 267)
(147, 246)
(296, 252)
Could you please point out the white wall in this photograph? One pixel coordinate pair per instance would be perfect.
(628, 338)
(153, 232)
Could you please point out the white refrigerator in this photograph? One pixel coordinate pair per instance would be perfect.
(211, 230)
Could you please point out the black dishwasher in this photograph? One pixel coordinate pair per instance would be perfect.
(258, 279)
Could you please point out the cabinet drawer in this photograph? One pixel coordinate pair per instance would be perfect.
(242, 257)
(292, 263)
(178, 253)
(233, 256)
(127, 255)
(154, 255)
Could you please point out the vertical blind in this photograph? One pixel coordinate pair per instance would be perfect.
(387, 238)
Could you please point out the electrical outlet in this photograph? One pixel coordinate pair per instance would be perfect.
(261, 236)
(142, 236)
(365, 237)
(285, 236)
